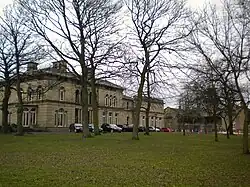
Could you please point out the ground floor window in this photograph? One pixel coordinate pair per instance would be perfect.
(152, 121)
(60, 118)
(104, 117)
(90, 116)
(29, 117)
(143, 120)
(116, 118)
(78, 115)
(110, 117)
(127, 120)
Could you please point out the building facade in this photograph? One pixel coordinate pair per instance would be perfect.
(52, 98)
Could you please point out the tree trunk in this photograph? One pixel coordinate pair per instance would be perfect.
(5, 112)
(147, 120)
(245, 131)
(84, 103)
(19, 107)
(148, 105)
(215, 125)
(95, 105)
(138, 109)
(228, 137)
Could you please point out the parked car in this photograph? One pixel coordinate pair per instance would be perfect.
(166, 130)
(75, 127)
(111, 128)
(153, 129)
(91, 128)
(115, 128)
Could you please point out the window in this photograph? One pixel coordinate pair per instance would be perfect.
(104, 117)
(62, 94)
(152, 121)
(106, 100)
(110, 117)
(127, 119)
(110, 101)
(39, 92)
(9, 117)
(76, 115)
(60, 118)
(159, 121)
(143, 120)
(77, 96)
(29, 94)
(116, 118)
(90, 116)
(32, 116)
(115, 101)
(90, 98)
(127, 105)
(26, 117)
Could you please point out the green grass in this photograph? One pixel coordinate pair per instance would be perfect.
(162, 159)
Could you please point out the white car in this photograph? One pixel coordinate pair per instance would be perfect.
(153, 129)
(115, 128)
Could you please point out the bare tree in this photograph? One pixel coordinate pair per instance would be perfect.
(23, 49)
(79, 27)
(153, 22)
(7, 68)
(226, 32)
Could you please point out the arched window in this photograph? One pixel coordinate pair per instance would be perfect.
(39, 92)
(77, 96)
(110, 100)
(62, 94)
(107, 100)
(115, 101)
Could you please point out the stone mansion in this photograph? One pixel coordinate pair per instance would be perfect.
(51, 98)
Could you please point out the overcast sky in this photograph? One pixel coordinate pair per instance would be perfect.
(192, 3)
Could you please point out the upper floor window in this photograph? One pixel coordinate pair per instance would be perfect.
(127, 105)
(62, 94)
(77, 96)
(39, 92)
(110, 101)
(115, 101)
(90, 98)
(29, 94)
(106, 100)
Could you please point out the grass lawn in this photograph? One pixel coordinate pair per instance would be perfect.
(162, 159)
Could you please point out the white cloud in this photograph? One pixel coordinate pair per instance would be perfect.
(3, 3)
(200, 3)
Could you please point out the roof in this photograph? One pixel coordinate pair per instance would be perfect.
(50, 71)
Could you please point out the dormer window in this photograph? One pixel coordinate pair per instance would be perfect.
(62, 94)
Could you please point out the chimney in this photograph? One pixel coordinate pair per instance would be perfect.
(60, 65)
(31, 66)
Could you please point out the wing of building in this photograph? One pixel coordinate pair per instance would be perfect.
(52, 98)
